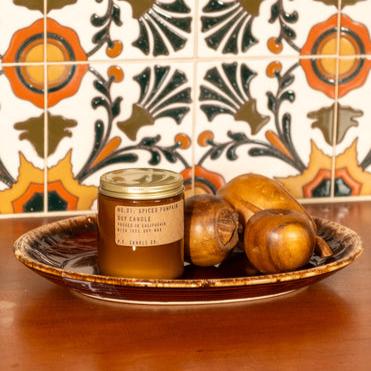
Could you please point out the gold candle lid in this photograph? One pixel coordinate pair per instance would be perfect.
(141, 184)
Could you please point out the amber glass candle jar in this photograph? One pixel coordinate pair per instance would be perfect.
(141, 223)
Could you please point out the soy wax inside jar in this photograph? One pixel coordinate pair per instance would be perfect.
(141, 223)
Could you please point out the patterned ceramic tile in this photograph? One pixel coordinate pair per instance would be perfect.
(21, 150)
(22, 41)
(273, 114)
(124, 29)
(125, 115)
(353, 161)
(261, 117)
(353, 143)
(356, 25)
(259, 28)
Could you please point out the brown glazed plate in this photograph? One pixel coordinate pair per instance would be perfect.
(65, 253)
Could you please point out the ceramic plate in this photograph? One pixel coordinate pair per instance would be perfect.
(65, 252)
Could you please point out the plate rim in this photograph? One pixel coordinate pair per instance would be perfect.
(188, 302)
(26, 238)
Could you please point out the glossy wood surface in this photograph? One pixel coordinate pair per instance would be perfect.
(327, 326)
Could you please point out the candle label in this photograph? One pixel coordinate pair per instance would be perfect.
(138, 226)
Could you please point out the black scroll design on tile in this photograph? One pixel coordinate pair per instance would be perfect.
(279, 142)
(5, 176)
(103, 35)
(227, 25)
(163, 93)
(285, 21)
(163, 26)
(226, 90)
(122, 152)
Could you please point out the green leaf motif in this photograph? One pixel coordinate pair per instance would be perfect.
(141, 7)
(139, 118)
(343, 2)
(227, 90)
(31, 4)
(228, 25)
(58, 4)
(251, 7)
(248, 112)
(349, 2)
(163, 94)
(39, 4)
(324, 120)
(32, 130)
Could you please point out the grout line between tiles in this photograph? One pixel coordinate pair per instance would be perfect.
(195, 96)
(46, 133)
(195, 59)
(352, 198)
(350, 57)
(190, 59)
(336, 103)
(336, 199)
(333, 157)
(196, 32)
(215, 58)
(194, 131)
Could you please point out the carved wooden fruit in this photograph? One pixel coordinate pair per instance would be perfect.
(210, 229)
(250, 193)
(279, 240)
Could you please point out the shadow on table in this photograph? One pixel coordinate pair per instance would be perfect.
(85, 332)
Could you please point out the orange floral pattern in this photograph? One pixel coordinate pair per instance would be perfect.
(62, 45)
(315, 181)
(322, 40)
(27, 194)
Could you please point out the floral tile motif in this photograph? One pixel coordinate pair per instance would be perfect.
(340, 4)
(355, 40)
(357, 12)
(261, 117)
(353, 145)
(115, 29)
(258, 28)
(63, 44)
(21, 165)
(297, 110)
(28, 80)
(10, 31)
(17, 35)
(39, 4)
(130, 115)
(26, 192)
(351, 138)
(162, 23)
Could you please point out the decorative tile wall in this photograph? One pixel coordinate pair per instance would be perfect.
(208, 88)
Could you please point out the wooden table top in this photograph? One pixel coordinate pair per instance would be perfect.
(324, 327)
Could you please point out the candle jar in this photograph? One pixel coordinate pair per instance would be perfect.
(141, 223)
